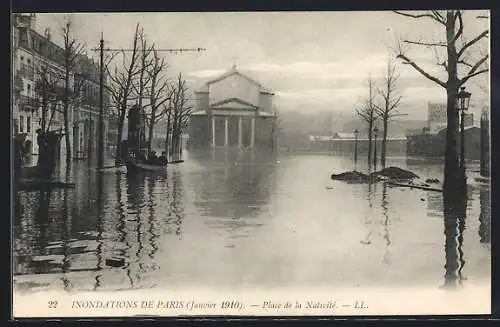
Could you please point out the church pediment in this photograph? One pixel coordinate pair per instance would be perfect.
(233, 103)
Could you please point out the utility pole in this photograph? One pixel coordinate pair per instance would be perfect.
(101, 139)
(101, 50)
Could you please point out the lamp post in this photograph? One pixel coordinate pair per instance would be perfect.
(356, 132)
(463, 99)
(375, 133)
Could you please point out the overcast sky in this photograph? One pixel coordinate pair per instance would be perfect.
(314, 61)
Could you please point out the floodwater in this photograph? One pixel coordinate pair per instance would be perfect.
(227, 220)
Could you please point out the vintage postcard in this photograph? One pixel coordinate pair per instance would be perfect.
(251, 163)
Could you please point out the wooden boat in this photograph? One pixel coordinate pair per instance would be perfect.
(134, 166)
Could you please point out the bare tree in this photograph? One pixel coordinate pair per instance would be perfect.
(390, 102)
(178, 115)
(368, 112)
(120, 88)
(457, 58)
(143, 83)
(46, 94)
(158, 94)
(72, 51)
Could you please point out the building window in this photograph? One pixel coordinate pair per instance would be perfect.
(21, 124)
(29, 89)
(28, 124)
(29, 61)
(22, 58)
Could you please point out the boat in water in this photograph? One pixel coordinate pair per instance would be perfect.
(135, 167)
(135, 164)
(139, 157)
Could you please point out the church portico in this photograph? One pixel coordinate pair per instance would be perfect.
(233, 130)
(233, 114)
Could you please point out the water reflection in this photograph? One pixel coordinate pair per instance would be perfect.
(153, 236)
(385, 222)
(239, 183)
(368, 216)
(455, 209)
(259, 217)
(485, 215)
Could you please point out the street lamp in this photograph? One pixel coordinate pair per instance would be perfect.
(356, 132)
(463, 99)
(375, 133)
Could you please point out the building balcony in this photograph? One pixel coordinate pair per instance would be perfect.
(28, 103)
(27, 71)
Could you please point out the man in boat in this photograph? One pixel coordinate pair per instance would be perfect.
(140, 157)
(163, 158)
(153, 159)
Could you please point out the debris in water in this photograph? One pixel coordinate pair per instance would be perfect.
(115, 262)
(351, 176)
(395, 173)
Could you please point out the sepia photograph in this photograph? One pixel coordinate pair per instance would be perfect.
(295, 163)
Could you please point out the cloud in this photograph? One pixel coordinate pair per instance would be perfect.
(206, 73)
(320, 94)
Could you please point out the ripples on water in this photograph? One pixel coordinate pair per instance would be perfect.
(236, 220)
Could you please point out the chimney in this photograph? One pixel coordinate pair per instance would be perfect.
(47, 33)
(32, 21)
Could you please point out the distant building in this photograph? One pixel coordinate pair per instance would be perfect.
(431, 140)
(433, 145)
(347, 143)
(233, 110)
(437, 117)
(34, 53)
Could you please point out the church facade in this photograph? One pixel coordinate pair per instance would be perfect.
(233, 111)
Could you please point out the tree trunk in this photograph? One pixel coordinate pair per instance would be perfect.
(167, 137)
(370, 127)
(454, 178)
(66, 113)
(151, 129)
(118, 153)
(453, 175)
(384, 142)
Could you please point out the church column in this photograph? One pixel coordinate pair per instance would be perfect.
(240, 132)
(213, 131)
(226, 130)
(252, 138)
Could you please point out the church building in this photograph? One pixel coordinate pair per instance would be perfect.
(233, 110)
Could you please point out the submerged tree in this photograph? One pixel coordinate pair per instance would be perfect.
(458, 60)
(72, 52)
(178, 113)
(120, 89)
(368, 112)
(390, 102)
(48, 95)
(158, 95)
(142, 84)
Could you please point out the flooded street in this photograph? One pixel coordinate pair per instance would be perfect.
(235, 221)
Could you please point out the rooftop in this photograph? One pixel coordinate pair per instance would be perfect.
(234, 70)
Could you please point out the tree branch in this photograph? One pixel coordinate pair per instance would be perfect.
(460, 26)
(431, 16)
(421, 71)
(474, 70)
(472, 42)
(427, 44)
